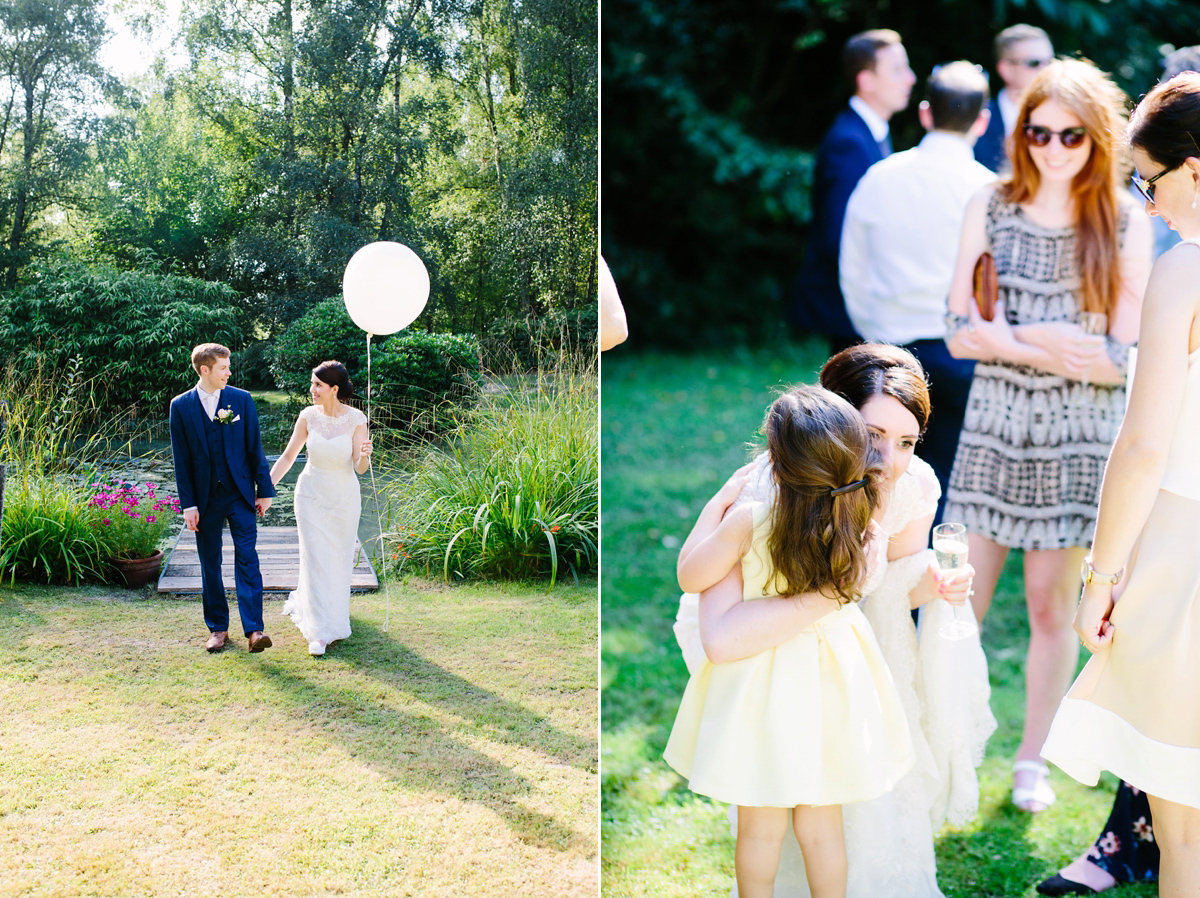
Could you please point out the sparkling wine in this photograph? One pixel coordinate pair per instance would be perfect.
(951, 553)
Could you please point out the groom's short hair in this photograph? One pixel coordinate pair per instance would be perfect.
(207, 354)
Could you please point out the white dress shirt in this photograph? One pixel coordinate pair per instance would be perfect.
(1007, 105)
(876, 122)
(900, 238)
(208, 400)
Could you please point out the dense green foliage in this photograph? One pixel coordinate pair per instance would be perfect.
(413, 373)
(277, 137)
(713, 111)
(515, 493)
(134, 329)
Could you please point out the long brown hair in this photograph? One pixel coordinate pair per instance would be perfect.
(817, 443)
(1090, 95)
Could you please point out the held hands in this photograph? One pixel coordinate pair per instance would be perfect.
(1091, 617)
(986, 339)
(261, 504)
(1077, 350)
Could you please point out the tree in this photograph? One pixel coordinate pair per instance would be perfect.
(50, 73)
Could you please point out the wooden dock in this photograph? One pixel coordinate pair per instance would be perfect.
(278, 558)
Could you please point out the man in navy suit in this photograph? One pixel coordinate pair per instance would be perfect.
(877, 66)
(1021, 52)
(221, 474)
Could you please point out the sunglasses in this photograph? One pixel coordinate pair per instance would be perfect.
(1029, 63)
(1040, 136)
(1147, 186)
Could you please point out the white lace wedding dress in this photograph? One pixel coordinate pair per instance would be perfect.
(327, 503)
(943, 686)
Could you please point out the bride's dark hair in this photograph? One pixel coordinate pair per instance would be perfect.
(335, 374)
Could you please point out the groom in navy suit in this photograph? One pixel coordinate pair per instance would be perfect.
(876, 64)
(221, 474)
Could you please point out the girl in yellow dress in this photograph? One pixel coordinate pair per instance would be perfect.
(801, 727)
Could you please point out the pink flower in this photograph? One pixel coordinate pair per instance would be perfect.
(150, 519)
(1144, 831)
(1110, 844)
(107, 521)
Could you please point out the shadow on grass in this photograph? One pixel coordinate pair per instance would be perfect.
(997, 860)
(422, 753)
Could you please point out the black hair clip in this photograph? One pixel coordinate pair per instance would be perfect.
(849, 487)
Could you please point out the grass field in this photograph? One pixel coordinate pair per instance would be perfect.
(673, 428)
(452, 754)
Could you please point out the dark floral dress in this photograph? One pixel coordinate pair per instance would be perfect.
(1126, 848)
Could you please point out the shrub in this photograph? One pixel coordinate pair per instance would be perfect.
(135, 327)
(324, 332)
(522, 343)
(252, 366)
(51, 532)
(514, 494)
(418, 376)
(414, 374)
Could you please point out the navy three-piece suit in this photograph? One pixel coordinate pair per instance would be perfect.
(846, 152)
(220, 469)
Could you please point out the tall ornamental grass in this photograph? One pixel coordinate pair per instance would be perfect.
(51, 432)
(513, 492)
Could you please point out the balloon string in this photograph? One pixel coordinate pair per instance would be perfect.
(387, 587)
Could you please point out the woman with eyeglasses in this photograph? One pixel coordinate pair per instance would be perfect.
(1047, 396)
(1135, 709)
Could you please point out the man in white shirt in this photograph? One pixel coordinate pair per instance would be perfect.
(900, 239)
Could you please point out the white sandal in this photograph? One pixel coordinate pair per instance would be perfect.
(1041, 793)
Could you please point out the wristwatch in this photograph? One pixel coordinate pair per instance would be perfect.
(1087, 573)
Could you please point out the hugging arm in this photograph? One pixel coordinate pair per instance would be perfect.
(732, 628)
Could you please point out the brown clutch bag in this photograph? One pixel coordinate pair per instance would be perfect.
(985, 286)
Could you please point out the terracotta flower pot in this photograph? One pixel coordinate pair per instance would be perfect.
(139, 571)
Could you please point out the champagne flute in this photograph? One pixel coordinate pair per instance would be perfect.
(950, 547)
(1093, 323)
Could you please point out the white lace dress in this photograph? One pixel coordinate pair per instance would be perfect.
(328, 504)
(944, 690)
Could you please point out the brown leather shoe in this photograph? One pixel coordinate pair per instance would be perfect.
(258, 641)
(216, 640)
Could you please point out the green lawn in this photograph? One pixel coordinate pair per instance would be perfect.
(452, 754)
(673, 428)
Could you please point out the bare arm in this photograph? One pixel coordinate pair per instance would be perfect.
(712, 513)
(1139, 457)
(360, 449)
(732, 629)
(717, 551)
(288, 458)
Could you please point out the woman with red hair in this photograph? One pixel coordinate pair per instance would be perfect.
(1048, 396)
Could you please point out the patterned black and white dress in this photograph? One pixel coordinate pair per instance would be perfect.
(1029, 464)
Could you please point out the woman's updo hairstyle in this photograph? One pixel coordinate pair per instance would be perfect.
(879, 369)
(1166, 123)
(335, 374)
(818, 443)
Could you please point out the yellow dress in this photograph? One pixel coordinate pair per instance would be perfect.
(815, 720)
(1135, 709)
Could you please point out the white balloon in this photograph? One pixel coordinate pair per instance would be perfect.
(385, 287)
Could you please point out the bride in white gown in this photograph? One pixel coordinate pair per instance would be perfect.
(327, 505)
(943, 684)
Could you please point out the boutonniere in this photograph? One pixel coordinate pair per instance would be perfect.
(226, 416)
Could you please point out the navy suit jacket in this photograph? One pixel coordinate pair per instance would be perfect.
(243, 448)
(989, 149)
(846, 152)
